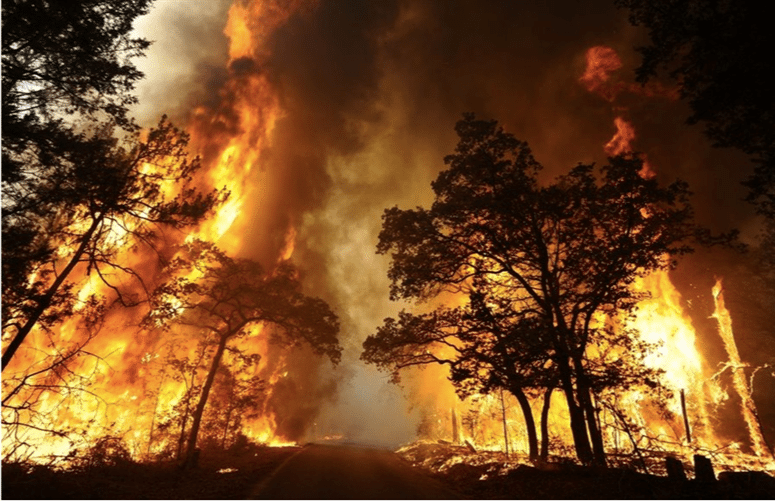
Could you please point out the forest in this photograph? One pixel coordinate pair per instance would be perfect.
(395, 224)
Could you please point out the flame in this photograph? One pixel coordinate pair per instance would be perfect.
(128, 387)
(601, 61)
(748, 407)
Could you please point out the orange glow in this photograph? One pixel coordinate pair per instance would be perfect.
(735, 364)
(132, 387)
(602, 61)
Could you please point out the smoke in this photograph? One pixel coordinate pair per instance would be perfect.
(369, 93)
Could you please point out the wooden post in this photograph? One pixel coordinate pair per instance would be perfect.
(703, 469)
(505, 429)
(675, 469)
(686, 418)
(455, 431)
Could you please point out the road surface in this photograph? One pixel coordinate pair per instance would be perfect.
(348, 472)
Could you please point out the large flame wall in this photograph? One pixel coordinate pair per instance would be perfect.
(319, 115)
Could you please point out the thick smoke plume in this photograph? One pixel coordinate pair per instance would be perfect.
(368, 94)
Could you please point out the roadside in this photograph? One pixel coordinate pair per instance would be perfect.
(487, 475)
(224, 475)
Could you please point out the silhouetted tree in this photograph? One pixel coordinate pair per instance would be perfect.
(66, 67)
(227, 298)
(62, 58)
(555, 259)
(70, 187)
(486, 345)
(119, 190)
(720, 55)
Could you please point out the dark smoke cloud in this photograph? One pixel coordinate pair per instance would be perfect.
(371, 92)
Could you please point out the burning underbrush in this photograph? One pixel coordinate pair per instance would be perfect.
(107, 471)
(493, 475)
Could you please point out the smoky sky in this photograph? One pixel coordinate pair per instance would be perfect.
(370, 93)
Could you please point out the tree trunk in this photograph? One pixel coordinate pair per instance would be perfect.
(585, 399)
(505, 428)
(226, 425)
(191, 454)
(530, 425)
(153, 416)
(577, 425)
(545, 423)
(45, 301)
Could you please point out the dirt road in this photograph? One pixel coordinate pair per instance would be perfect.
(348, 472)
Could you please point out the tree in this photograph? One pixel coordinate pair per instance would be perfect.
(720, 55)
(64, 58)
(486, 346)
(226, 299)
(548, 261)
(116, 196)
(67, 79)
(65, 67)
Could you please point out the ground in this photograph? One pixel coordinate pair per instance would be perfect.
(490, 475)
(240, 471)
(342, 472)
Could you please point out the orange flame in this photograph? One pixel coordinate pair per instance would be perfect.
(721, 314)
(602, 61)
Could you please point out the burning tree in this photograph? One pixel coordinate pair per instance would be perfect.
(547, 271)
(79, 182)
(227, 299)
(111, 195)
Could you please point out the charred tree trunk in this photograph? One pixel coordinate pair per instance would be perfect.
(530, 425)
(505, 428)
(545, 423)
(227, 424)
(153, 416)
(183, 424)
(45, 301)
(191, 453)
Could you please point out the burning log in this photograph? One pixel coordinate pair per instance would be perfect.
(686, 418)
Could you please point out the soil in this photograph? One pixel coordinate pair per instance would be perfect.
(130, 480)
(485, 475)
(489, 477)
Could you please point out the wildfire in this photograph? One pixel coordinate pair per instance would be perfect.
(140, 384)
(721, 314)
(684, 424)
(134, 382)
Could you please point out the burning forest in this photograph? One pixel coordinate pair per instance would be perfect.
(248, 236)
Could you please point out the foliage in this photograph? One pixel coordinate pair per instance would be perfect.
(211, 291)
(541, 266)
(720, 55)
(63, 63)
(228, 298)
(111, 195)
(61, 58)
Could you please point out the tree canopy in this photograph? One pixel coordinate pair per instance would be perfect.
(720, 55)
(541, 265)
(225, 298)
(111, 194)
(79, 179)
(62, 58)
